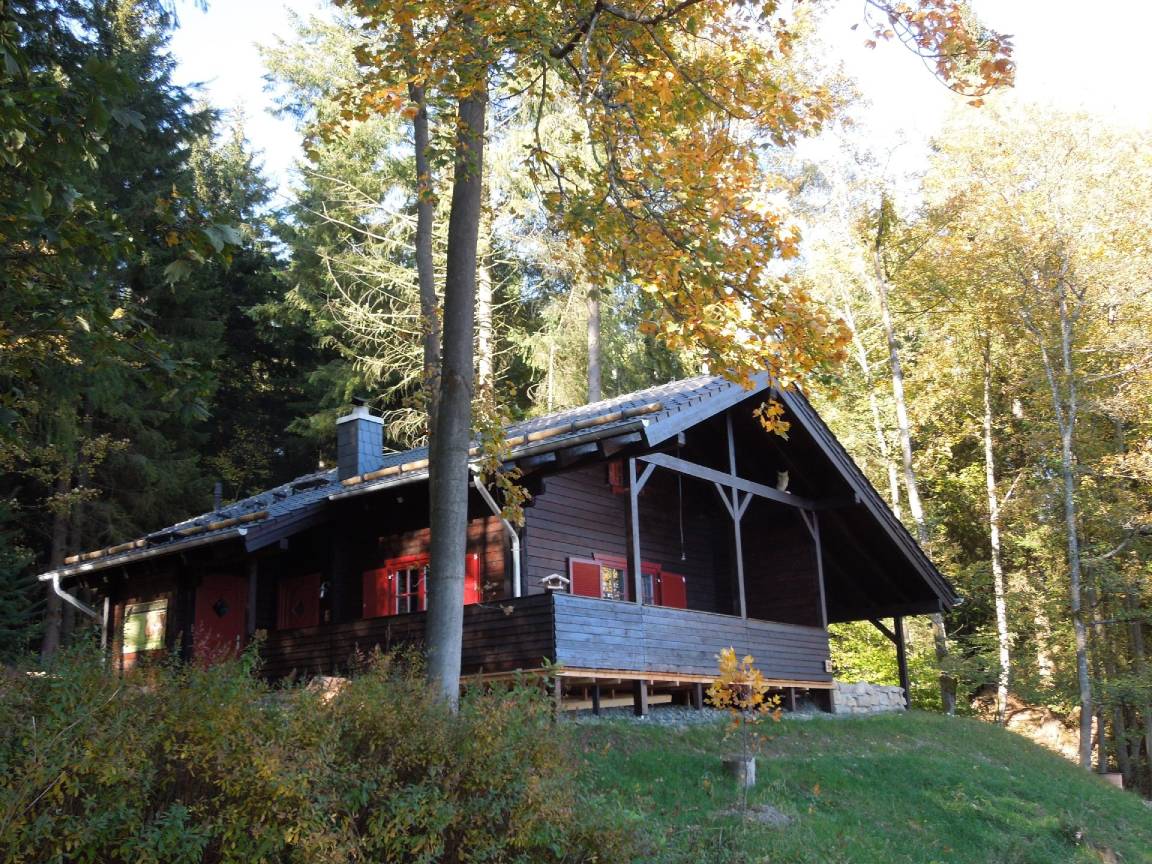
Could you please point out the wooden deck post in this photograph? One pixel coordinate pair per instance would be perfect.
(640, 698)
(635, 485)
(596, 699)
(558, 697)
(902, 659)
(737, 510)
(819, 568)
(698, 696)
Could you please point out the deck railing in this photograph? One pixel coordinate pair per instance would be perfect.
(628, 637)
(578, 632)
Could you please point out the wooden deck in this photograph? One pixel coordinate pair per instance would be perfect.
(586, 636)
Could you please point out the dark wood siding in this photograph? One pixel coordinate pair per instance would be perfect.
(780, 576)
(578, 632)
(494, 641)
(578, 515)
(486, 538)
(607, 634)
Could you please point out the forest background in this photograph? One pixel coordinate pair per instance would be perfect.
(997, 386)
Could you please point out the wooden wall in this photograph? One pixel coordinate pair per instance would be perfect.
(342, 551)
(614, 635)
(780, 576)
(143, 585)
(494, 641)
(486, 538)
(578, 515)
(579, 632)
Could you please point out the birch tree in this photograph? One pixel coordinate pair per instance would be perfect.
(1053, 207)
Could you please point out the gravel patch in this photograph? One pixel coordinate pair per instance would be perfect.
(672, 715)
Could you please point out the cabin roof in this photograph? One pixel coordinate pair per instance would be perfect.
(657, 413)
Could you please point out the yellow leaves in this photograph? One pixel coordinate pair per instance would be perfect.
(739, 687)
(770, 414)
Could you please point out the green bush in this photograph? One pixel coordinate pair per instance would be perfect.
(182, 763)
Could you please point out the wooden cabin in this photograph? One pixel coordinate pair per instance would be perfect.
(664, 525)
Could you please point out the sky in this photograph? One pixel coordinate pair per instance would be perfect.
(1066, 56)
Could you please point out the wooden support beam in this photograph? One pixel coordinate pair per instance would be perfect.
(902, 659)
(791, 694)
(736, 520)
(820, 570)
(558, 695)
(634, 559)
(531, 463)
(571, 455)
(883, 628)
(642, 481)
(640, 698)
(612, 446)
(727, 501)
(596, 699)
(731, 443)
(703, 472)
(698, 696)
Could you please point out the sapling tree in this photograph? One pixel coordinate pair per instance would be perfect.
(741, 690)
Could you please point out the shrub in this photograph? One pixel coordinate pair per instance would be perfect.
(184, 763)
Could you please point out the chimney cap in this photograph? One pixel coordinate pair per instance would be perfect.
(359, 401)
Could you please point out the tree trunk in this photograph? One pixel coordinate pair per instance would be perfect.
(425, 266)
(594, 345)
(1140, 667)
(1095, 658)
(1042, 639)
(53, 610)
(1002, 637)
(485, 337)
(448, 455)
(873, 403)
(903, 427)
(1065, 407)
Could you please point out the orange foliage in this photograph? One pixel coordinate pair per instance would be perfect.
(668, 190)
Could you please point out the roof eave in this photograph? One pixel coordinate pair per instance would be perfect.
(798, 404)
(140, 555)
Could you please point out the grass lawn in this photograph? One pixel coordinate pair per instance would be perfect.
(918, 788)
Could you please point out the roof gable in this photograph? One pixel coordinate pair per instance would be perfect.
(656, 413)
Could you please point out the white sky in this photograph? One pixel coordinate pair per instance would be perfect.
(1067, 54)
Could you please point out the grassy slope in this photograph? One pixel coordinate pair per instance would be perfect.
(918, 788)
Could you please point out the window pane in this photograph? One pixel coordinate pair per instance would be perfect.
(610, 584)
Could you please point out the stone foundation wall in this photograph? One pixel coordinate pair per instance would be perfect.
(865, 698)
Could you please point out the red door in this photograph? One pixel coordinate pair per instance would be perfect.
(221, 616)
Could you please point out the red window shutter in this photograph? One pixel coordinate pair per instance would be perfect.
(423, 587)
(299, 601)
(368, 594)
(379, 598)
(671, 590)
(471, 579)
(585, 576)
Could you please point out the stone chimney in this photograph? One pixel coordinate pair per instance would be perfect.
(359, 442)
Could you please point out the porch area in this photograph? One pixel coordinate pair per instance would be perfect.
(617, 644)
